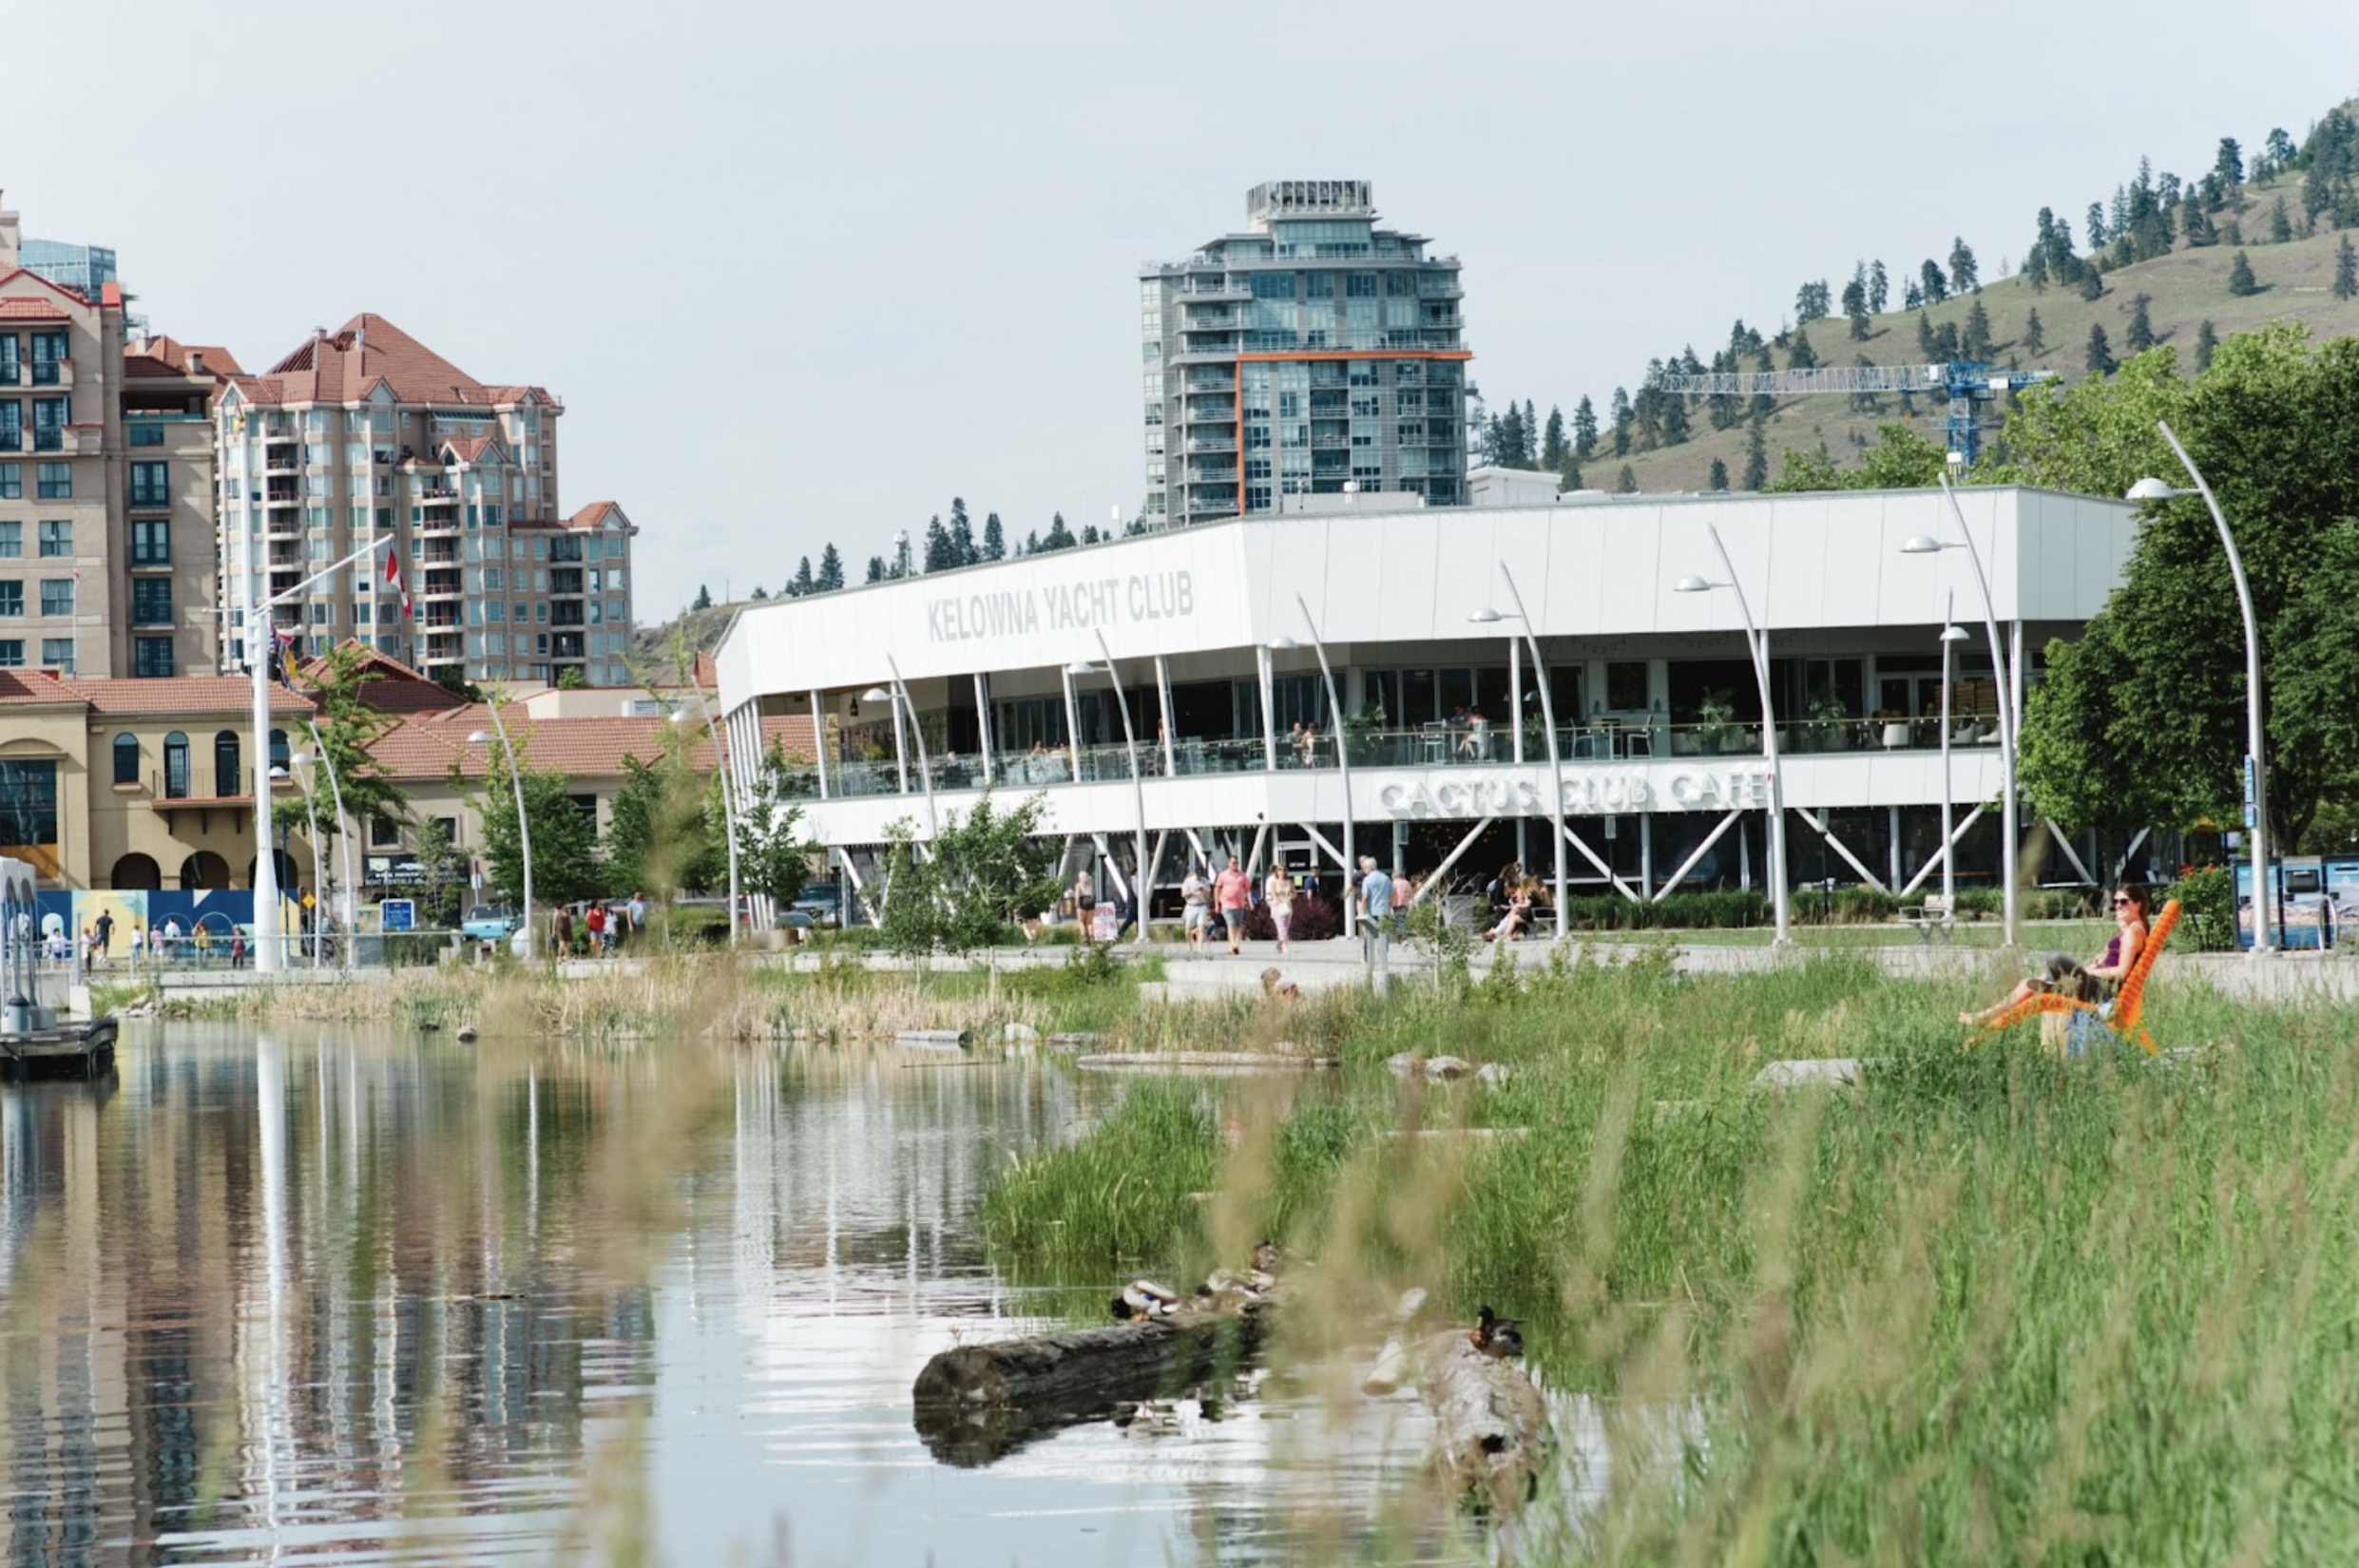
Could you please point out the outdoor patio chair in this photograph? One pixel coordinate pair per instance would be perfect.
(2087, 1023)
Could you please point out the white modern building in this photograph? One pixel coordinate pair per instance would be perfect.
(1214, 635)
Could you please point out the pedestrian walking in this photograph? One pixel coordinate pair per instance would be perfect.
(1375, 913)
(1233, 892)
(1279, 892)
(1196, 908)
(104, 932)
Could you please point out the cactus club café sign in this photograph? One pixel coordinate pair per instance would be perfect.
(1449, 794)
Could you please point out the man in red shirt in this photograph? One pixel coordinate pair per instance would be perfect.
(1232, 895)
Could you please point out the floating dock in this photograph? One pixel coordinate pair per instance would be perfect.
(66, 1050)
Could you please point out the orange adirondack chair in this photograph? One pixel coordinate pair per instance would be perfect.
(2117, 1020)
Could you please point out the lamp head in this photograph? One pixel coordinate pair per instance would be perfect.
(1954, 634)
(479, 737)
(1955, 459)
(1080, 666)
(1486, 617)
(877, 693)
(2151, 489)
(1693, 584)
(1923, 543)
(1282, 643)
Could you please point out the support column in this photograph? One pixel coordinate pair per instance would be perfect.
(1515, 695)
(818, 739)
(982, 725)
(1072, 722)
(1892, 861)
(1269, 719)
(1163, 697)
(1646, 855)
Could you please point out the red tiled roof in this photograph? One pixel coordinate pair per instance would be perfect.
(194, 694)
(32, 310)
(598, 514)
(342, 366)
(391, 686)
(57, 291)
(219, 362)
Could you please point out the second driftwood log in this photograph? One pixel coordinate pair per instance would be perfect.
(1492, 1427)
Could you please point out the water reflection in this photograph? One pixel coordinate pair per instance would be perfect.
(351, 1297)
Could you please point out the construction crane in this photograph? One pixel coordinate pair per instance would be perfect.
(1964, 382)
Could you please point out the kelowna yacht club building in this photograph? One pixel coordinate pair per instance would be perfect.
(930, 690)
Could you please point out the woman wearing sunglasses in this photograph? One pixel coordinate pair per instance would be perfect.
(2092, 983)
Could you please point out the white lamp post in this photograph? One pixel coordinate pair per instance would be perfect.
(523, 824)
(899, 696)
(1138, 783)
(1487, 616)
(2256, 739)
(2009, 849)
(728, 803)
(1756, 650)
(1951, 635)
(1343, 751)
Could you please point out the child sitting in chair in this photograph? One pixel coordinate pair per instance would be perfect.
(2092, 983)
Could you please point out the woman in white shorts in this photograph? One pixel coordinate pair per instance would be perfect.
(1196, 918)
(1279, 890)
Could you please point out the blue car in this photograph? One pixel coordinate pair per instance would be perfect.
(489, 922)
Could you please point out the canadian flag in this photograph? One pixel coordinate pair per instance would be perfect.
(393, 581)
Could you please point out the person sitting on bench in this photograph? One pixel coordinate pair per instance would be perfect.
(2093, 982)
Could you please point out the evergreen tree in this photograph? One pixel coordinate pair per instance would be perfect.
(939, 554)
(1762, 404)
(1089, 533)
(2240, 280)
(1976, 343)
(703, 599)
(1946, 344)
(1527, 443)
(1855, 308)
(1060, 537)
(2345, 270)
(962, 535)
(2207, 342)
(877, 568)
(2096, 226)
(1031, 543)
(2141, 333)
(2101, 360)
(831, 570)
(994, 538)
(804, 582)
(2034, 336)
(1585, 429)
(1493, 435)
(1552, 441)
(1912, 299)
(2036, 268)
(1799, 355)
(1963, 275)
(1879, 289)
(1756, 458)
(1625, 482)
(2092, 283)
(2280, 223)
(1621, 423)
(1936, 287)
(1811, 303)
(1925, 336)
(1569, 473)
(1719, 476)
(1508, 448)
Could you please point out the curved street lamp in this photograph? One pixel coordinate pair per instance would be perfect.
(1757, 652)
(1951, 635)
(1138, 784)
(728, 803)
(2256, 739)
(298, 768)
(523, 824)
(898, 694)
(1486, 616)
(352, 878)
(1343, 751)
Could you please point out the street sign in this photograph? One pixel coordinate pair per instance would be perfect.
(2251, 821)
(397, 914)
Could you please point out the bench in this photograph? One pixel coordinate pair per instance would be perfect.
(1939, 912)
(2116, 1021)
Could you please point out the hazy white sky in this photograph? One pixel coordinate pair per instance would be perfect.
(803, 273)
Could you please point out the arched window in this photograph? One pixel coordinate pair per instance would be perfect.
(176, 784)
(225, 768)
(278, 752)
(126, 758)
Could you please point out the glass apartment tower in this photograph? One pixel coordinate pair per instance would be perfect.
(1314, 353)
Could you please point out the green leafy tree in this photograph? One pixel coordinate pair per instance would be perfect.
(1963, 275)
(442, 877)
(662, 834)
(2207, 344)
(349, 725)
(773, 850)
(2240, 280)
(2143, 718)
(1719, 476)
(1900, 459)
(2034, 336)
(831, 570)
(2141, 335)
(2345, 270)
(2101, 360)
(1585, 429)
(1756, 458)
(979, 874)
(565, 836)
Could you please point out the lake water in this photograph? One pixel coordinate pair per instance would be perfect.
(308, 1295)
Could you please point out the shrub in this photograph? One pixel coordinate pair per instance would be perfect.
(1317, 919)
(2206, 896)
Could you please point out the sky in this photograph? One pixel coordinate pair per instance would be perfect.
(802, 273)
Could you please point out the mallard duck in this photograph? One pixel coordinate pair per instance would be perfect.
(1497, 1336)
(1144, 1298)
(1267, 1256)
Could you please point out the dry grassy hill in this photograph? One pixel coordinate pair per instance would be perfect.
(2186, 288)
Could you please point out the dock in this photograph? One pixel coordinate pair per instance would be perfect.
(65, 1050)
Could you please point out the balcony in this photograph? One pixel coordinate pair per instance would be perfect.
(50, 373)
(150, 502)
(439, 522)
(1213, 321)
(441, 621)
(1213, 444)
(564, 615)
(437, 495)
(440, 555)
(281, 464)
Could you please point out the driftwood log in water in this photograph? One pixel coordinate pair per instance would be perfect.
(1492, 1425)
(975, 1404)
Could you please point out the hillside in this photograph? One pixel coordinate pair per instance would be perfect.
(2187, 288)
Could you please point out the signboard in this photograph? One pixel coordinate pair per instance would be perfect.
(393, 871)
(1105, 922)
(1452, 793)
(397, 914)
(2250, 820)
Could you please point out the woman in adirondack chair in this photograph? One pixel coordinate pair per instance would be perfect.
(2091, 983)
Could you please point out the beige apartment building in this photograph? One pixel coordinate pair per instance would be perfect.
(366, 433)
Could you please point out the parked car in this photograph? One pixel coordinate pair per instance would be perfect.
(819, 908)
(489, 922)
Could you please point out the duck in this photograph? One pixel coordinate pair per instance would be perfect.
(1143, 1298)
(1267, 1256)
(1497, 1336)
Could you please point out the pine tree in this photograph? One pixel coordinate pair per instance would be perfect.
(2092, 283)
(1855, 308)
(2345, 270)
(2207, 341)
(1912, 299)
(1963, 275)
(1756, 458)
(831, 570)
(1925, 336)
(1507, 447)
(1552, 442)
(1879, 289)
(1031, 542)
(2228, 166)
(994, 538)
(1976, 344)
(1585, 429)
(804, 582)
(1625, 482)
(703, 600)
(1799, 355)
(1936, 286)
(1058, 537)
(939, 556)
(2034, 336)
(1621, 423)
(2240, 280)
(1527, 445)
(1089, 533)
(2096, 226)
(1569, 472)
(877, 568)
(1719, 476)
(2101, 360)
(2141, 335)
(2280, 223)
(2036, 268)
(962, 535)
(760, 593)
(1946, 344)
